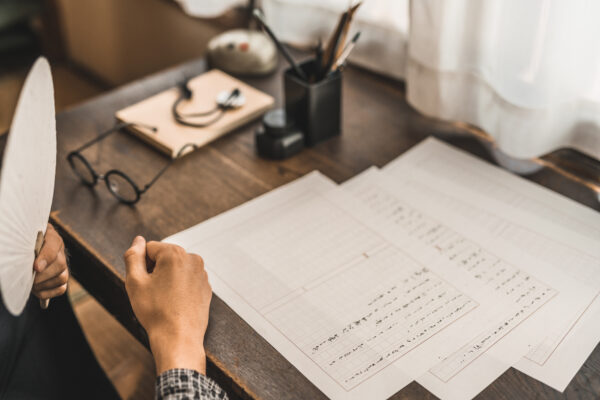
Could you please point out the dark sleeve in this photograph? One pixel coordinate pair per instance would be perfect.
(182, 384)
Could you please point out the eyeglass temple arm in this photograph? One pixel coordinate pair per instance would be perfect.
(162, 171)
(115, 128)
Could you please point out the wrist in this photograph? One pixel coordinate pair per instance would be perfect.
(172, 350)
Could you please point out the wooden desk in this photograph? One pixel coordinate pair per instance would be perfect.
(378, 125)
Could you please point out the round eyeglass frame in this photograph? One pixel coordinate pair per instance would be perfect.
(106, 178)
(76, 155)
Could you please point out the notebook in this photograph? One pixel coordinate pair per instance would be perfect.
(171, 136)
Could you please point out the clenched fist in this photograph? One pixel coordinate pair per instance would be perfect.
(171, 302)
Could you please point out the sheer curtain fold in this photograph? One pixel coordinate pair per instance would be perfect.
(526, 72)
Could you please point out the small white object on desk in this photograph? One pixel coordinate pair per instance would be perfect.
(243, 52)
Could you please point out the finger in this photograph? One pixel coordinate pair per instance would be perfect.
(55, 269)
(157, 249)
(48, 294)
(135, 259)
(198, 261)
(53, 244)
(52, 283)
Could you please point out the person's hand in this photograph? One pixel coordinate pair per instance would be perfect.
(51, 267)
(171, 302)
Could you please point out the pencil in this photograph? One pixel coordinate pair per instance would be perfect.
(259, 16)
(345, 53)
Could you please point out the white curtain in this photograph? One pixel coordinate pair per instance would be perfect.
(526, 72)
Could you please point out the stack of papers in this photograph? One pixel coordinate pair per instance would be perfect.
(439, 268)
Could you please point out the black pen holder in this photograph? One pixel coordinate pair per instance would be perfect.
(315, 106)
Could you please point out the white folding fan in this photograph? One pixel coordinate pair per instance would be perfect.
(27, 185)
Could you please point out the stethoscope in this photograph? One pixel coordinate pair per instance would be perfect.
(225, 101)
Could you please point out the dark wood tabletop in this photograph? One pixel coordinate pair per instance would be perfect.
(378, 125)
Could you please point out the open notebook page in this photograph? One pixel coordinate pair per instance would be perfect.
(543, 223)
(475, 365)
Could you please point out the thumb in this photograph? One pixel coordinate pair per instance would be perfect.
(135, 259)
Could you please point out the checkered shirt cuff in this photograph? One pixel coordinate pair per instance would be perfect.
(187, 384)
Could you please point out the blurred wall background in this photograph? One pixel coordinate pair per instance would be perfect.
(96, 45)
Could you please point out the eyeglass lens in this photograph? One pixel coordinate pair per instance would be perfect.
(119, 184)
(82, 169)
(122, 187)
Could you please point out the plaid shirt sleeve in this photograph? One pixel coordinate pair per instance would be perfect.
(187, 384)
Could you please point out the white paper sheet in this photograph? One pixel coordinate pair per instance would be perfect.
(467, 372)
(358, 316)
(563, 363)
(351, 311)
(273, 261)
(311, 270)
(543, 223)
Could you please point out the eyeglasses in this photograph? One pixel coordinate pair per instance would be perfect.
(117, 182)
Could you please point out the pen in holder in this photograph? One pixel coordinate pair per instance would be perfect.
(315, 106)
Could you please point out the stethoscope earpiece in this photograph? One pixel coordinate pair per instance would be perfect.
(186, 92)
(231, 99)
(225, 101)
